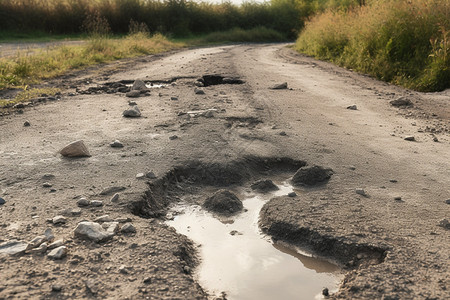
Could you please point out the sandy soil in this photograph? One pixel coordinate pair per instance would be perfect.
(390, 249)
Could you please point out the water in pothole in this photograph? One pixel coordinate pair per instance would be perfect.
(245, 264)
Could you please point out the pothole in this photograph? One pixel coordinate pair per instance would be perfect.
(240, 261)
(208, 80)
(264, 268)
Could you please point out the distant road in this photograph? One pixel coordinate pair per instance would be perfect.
(11, 49)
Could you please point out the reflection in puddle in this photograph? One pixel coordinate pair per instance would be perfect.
(151, 85)
(239, 260)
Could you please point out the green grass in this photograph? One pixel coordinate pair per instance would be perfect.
(399, 41)
(36, 36)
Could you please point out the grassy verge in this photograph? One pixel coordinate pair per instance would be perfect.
(27, 69)
(406, 42)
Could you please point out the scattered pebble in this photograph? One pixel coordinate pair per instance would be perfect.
(410, 138)
(115, 198)
(174, 98)
(47, 185)
(58, 253)
(59, 220)
(27, 123)
(199, 91)
(138, 85)
(283, 133)
(447, 201)
(292, 194)
(140, 176)
(96, 203)
(133, 94)
(133, 112)
(393, 180)
(401, 101)
(92, 231)
(2, 201)
(75, 149)
(325, 292)
(352, 107)
(279, 86)
(116, 144)
(83, 202)
(102, 219)
(150, 175)
(360, 192)
(444, 223)
(398, 198)
(128, 228)
(173, 137)
(235, 232)
(57, 288)
(56, 244)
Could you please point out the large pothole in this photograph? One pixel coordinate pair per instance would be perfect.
(236, 257)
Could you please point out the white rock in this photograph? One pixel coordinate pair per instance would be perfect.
(140, 175)
(111, 227)
(92, 231)
(96, 203)
(40, 250)
(59, 220)
(75, 149)
(58, 253)
(37, 241)
(49, 234)
(280, 86)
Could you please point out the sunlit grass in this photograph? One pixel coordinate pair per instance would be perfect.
(405, 42)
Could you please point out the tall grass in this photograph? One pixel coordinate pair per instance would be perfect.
(27, 69)
(177, 17)
(405, 42)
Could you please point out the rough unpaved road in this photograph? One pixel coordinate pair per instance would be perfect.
(390, 249)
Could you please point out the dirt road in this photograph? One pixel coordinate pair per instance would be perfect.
(378, 216)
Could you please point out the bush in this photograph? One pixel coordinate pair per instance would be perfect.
(403, 42)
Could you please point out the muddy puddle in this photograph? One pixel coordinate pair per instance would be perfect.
(244, 263)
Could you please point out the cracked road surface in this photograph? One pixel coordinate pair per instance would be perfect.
(405, 183)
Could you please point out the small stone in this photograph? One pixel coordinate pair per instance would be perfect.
(169, 216)
(57, 288)
(447, 201)
(148, 280)
(123, 269)
(40, 250)
(58, 253)
(96, 203)
(2, 201)
(138, 85)
(208, 114)
(75, 212)
(352, 107)
(280, 86)
(132, 103)
(223, 202)
(48, 233)
(75, 149)
(116, 144)
(283, 133)
(52, 190)
(444, 223)
(360, 192)
(235, 232)
(133, 94)
(83, 202)
(128, 228)
(92, 231)
(56, 244)
(435, 139)
(398, 198)
(111, 227)
(174, 98)
(13, 247)
(173, 137)
(47, 185)
(104, 218)
(150, 175)
(401, 101)
(133, 112)
(393, 180)
(292, 194)
(91, 286)
(112, 190)
(59, 220)
(410, 138)
(115, 198)
(199, 91)
(140, 176)
(37, 241)
(325, 292)
(27, 123)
